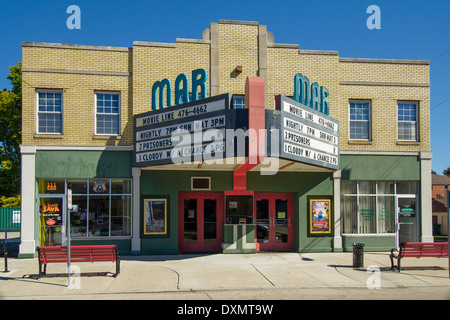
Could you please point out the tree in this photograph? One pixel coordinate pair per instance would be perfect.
(11, 134)
(446, 172)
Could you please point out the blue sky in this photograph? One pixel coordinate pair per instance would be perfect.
(410, 29)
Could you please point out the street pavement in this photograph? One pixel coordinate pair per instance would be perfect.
(260, 276)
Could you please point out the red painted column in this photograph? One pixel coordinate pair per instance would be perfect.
(255, 102)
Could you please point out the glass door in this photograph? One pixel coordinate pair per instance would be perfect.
(200, 222)
(51, 221)
(274, 228)
(407, 219)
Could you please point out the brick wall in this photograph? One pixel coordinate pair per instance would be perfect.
(81, 70)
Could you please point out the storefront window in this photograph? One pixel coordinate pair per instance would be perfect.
(100, 207)
(349, 204)
(77, 186)
(386, 217)
(78, 216)
(120, 220)
(369, 207)
(348, 187)
(99, 216)
(407, 187)
(386, 187)
(367, 214)
(367, 187)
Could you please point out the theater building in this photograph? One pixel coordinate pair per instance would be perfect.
(229, 143)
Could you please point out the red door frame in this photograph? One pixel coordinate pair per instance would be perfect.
(200, 246)
(272, 245)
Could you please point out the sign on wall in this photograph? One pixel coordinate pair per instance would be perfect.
(181, 133)
(307, 135)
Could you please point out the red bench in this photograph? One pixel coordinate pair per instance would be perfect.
(418, 250)
(55, 254)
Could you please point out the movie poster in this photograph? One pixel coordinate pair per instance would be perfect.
(155, 216)
(320, 218)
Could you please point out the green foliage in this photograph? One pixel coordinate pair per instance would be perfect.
(446, 172)
(11, 133)
(10, 202)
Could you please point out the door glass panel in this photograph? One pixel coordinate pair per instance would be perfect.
(50, 221)
(262, 221)
(281, 221)
(407, 219)
(209, 221)
(190, 221)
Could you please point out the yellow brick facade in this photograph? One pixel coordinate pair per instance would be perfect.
(80, 71)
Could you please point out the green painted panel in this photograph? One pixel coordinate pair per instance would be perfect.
(369, 167)
(227, 235)
(83, 164)
(375, 243)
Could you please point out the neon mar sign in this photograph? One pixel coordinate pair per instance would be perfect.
(311, 95)
(199, 77)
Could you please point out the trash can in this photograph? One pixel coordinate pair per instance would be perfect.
(358, 255)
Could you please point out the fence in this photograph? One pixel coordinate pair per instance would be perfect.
(9, 219)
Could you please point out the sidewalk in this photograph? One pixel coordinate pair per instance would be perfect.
(232, 276)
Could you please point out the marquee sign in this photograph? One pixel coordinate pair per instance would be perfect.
(181, 133)
(307, 135)
(195, 132)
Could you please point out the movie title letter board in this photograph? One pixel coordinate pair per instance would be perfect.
(307, 135)
(189, 132)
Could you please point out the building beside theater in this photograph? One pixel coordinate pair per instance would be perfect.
(228, 143)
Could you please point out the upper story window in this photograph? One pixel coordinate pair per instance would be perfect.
(107, 108)
(49, 111)
(238, 102)
(360, 120)
(407, 121)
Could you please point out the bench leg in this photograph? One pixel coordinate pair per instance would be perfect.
(117, 267)
(392, 261)
(398, 264)
(40, 271)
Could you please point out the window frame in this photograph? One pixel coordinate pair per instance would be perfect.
(394, 195)
(58, 91)
(238, 98)
(369, 121)
(118, 114)
(109, 193)
(416, 103)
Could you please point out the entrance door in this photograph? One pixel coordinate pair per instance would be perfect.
(274, 221)
(51, 220)
(200, 222)
(407, 219)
